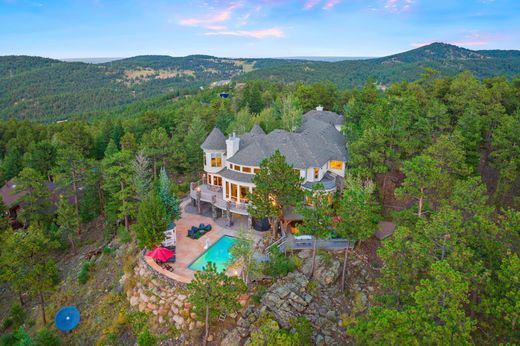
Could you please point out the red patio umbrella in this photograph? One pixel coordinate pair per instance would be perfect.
(160, 253)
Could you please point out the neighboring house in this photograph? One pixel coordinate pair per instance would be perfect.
(12, 200)
(317, 150)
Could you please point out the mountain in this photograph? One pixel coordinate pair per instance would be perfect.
(445, 58)
(46, 89)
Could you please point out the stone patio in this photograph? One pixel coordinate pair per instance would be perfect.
(187, 249)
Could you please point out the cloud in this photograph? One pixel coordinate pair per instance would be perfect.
(420, 44)
(264, 33)
(213, 20)
(330, 4)
(398, 6)
(310, 4)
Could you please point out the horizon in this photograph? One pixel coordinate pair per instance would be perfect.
(256, 29)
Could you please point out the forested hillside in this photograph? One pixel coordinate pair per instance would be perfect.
(446, 59)
(47, 90)
(44, 89)
(442, 154)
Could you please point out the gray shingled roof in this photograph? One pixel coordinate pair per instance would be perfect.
(315, 144)
(236, 176)
(325, 116)
(328, 181)
(257, 130)
(215, 141)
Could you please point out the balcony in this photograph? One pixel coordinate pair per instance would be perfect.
(213, 195)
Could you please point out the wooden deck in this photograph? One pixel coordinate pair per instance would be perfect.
(213, 196)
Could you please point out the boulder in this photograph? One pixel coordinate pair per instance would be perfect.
(134, 301)
(328, 273)
(233, 338)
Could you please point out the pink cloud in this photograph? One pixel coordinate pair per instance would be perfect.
(330, 4)
(265, 33)
(210, 21)
(421, 44)
(398, 6)
(310, 4)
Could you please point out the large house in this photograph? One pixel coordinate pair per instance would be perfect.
(317, 150)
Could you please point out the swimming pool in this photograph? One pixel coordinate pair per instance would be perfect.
(218, 253)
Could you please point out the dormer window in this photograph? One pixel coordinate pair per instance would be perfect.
(216, 160)
(316, 173)
(335, 164)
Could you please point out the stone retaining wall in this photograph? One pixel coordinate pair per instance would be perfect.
(163, 297)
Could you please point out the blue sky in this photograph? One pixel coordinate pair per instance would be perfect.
(245, 28)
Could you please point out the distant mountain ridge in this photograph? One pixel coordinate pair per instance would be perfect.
(48, 89)
(447, 59)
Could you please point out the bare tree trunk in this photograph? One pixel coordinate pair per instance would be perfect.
(344, 270)
(419, 209)
(206, 326)
(76, 202)
(127, 222)
(42, 304)
(101, 197)
(313, 257)
(71, 239)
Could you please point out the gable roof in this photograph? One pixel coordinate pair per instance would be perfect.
(313, 145)
(215, 141)
(325, 116)
(257, 130)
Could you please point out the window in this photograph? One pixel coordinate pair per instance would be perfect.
(243, 193)
(227, 189)
(234, 192)
(246, 169)
(209, 179)
(316, 173)
(217, 180)
(257, 170)
(336, 165)
(216, 160)
(204, 159)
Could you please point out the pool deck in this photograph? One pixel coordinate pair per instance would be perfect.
(187, 249)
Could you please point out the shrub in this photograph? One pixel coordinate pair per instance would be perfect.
(279, 265)
(17, 315)
(303, 330)
(257, 297)
(123, 235)
(6, 323)
(84, 272)
(107, 250)
(46, 337)
(146, 338)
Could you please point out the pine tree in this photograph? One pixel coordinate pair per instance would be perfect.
(168, 198)
(358, 213)
(36, 198)
(70, 174)
(317, 213)
(278, 186)
(151, 221)
(118, 181)
(213, 293)
(142, 175)
(67, 221)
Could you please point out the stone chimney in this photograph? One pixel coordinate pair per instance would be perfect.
(232, 145)
(319, 108)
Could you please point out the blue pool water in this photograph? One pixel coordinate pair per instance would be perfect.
(218, 253)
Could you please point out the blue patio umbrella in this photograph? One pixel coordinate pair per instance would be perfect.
(67, 318)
